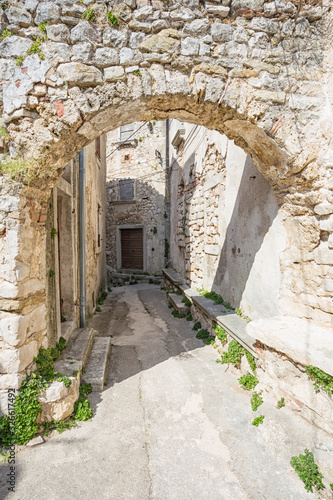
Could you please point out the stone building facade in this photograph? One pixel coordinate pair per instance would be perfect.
(230, 235)
(52, 308)
(136, 205)
(259, 72)
(227, 234)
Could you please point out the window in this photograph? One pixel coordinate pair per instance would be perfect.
(126, 131)
(126, 157)
(98, 147)
(126, 189)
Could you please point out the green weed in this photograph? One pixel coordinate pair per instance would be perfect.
(113, 19)
(258, 420)
(233, 354)
(6, 33)
(321, 380)
(220, 333)
(248, 381)
(308, 471)
(281, 403)
(256, 400)
(89, 15)
(35, 47)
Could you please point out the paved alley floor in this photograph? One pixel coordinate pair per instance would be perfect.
(171, 424)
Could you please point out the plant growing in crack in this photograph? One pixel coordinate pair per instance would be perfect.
(256, 400)
(281, 404)
(308, 471)
(258, 420)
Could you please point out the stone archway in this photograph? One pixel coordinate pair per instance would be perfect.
(258, 72)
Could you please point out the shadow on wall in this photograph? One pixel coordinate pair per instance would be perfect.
(245, 276)
(145, 207)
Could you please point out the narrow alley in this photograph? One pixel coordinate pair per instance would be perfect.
(171, 423)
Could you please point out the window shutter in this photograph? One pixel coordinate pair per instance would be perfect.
(126, 190)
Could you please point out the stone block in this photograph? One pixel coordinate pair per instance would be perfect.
(113, 37)
(59, 52)
(130, 57)
(182, 14)
(164, 41)
(323, 254)
(17, 15)
(47, 12)
(301, 340)
(106, 57)
(82, 52)
(11, 380)
(324, 208)
(114, 73)
(196, 27)
(58, 33)
(35, 441)
(221, 32)
(142, 13)
(80, 74)
(327, 224)
(217, 10)
(14, 46)
(189, 46)
(140, 26)
(83, 32)
(57, 402)
(16, 360)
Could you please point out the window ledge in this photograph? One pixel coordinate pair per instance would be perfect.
(119, 202)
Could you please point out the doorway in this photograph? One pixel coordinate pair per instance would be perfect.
(131, 243)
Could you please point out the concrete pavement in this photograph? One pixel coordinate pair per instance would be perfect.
(171, 424)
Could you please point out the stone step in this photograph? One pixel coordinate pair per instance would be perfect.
(177, 302)
(95, 372)
(76, 356)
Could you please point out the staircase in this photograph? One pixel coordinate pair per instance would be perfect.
(88, 355)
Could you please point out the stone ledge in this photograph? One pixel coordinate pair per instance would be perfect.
(233, 324)
(299, 339)
(95, 373)
(178, 304)
(174, 277)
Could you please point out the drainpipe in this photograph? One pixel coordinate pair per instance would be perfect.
(82, 235)
(168, 192)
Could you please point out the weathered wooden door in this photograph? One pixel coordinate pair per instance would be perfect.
(131, 248)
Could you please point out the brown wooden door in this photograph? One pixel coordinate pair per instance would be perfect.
(131, 248)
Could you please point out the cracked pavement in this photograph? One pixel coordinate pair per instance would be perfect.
(171, 424)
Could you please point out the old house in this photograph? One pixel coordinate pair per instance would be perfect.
(136, 215)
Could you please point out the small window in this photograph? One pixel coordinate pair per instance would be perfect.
(126, 131)
(126, 157)
(126, 190)
(98, 147)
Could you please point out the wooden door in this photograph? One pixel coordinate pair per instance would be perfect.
(131, 248)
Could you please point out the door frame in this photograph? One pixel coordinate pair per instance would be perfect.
(118, 244)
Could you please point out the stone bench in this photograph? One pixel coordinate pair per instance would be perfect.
(177, 302)
(299, 339)
(233, 324)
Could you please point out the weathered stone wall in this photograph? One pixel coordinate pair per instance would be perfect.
(29, 267)
(227, 233)
(259, 72)
(22, 282)
(148, 207)
(230, 235)
(95, 208)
